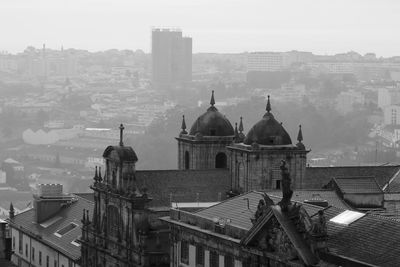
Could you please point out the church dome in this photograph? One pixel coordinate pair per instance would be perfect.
(212, 123)
(268, 131)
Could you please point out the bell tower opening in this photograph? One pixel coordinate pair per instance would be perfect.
(220, 161)
(187, 160)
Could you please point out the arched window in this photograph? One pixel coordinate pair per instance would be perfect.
(220, 160)
(187, 160)
(113, 220)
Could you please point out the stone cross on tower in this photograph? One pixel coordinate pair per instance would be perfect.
(121, 134)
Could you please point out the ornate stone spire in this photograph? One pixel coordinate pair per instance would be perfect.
(268, 108)
(121, 134)
(300, 135)
(87, 217)
(84, 217)
(241, 125)
(183, 127)
(11, 211)
(100, 178)
(236, 133)
(212, 101)
(96, 176)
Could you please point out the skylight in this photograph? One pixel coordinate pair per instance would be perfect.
(347, 217)
(75, 242)
(65, 229)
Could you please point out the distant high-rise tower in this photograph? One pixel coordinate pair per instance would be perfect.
(171, 57)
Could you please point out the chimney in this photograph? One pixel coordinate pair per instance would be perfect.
(48, 201)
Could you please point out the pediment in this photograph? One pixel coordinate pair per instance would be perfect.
(279, 233)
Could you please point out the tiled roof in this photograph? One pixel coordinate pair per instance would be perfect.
(71, 213)
(317, 177)
(351, 185)
(329, 195)
(393, 186)
(165, 186)
(371, 239)
(241, 208)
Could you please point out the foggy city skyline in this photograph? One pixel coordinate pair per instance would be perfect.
(199, 133)
(321, 27)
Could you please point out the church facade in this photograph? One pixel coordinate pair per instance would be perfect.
(120, 233)
(123, 229)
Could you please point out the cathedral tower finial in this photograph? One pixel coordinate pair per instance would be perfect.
(268, 105)
(300, 135)
(96, 176)
(121, 134)
(183, 126)
(241, 125)
(212, 101)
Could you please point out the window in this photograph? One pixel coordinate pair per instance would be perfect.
(55, 263)
(199, 255)
(13, 243)
(220, 160)
(187, 160)
(26, 250)
(40, 258)
(20, 242)
(75, 242)
(214, 259)
(229, 261)
(277, 184)
(47, 261)
(113, 220)
(33, 254)
(65, 229)
(213, 132)
(184, 252)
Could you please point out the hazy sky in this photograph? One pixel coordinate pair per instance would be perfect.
(320, 26)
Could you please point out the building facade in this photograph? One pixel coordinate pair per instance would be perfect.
(48, 235)
(171, 57)
(204, 147)
(121, 232)
(255, 162)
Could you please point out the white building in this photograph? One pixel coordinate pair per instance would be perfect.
(265, 61)
(331, 67)
(391, 115)
(48, 234)
(388, 96)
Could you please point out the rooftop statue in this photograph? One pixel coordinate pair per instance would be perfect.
(286, 190)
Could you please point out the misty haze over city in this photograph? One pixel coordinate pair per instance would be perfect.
(199, 133)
